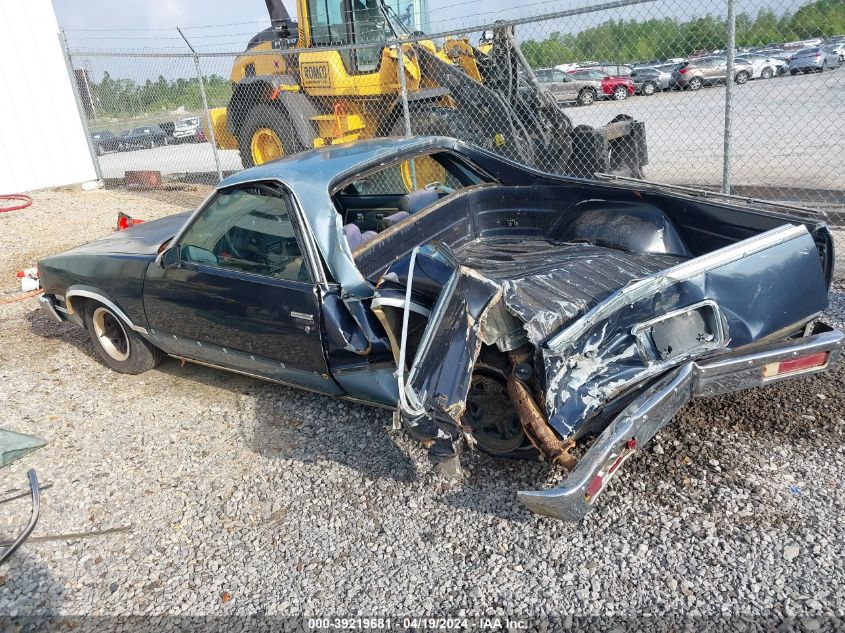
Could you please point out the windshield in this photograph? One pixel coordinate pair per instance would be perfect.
(399, 23)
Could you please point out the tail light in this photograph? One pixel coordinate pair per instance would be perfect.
(795, 365)
(682, 71)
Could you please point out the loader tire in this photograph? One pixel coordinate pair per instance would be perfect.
(428, 122)
(266, 134)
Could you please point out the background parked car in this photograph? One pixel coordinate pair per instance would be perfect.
(186, 130)
(813, 59)
(608, 68)
(144, 137)
(105, 141)
(647, 81)
(706, 71)
(762, 67)
(837, 48)
(567, 88)
(612, 87)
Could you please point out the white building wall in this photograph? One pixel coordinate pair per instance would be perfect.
(42, 141)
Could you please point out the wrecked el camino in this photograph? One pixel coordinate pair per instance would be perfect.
(487, 304)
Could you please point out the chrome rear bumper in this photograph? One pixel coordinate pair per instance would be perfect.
(656, 407)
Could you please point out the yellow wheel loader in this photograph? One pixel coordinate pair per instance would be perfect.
(334, 77)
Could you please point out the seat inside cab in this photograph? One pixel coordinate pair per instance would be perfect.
(383, 198)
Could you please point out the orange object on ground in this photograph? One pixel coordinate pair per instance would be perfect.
(125, 221)
(144, 178)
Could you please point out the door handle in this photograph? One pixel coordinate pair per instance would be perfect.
(302, 316)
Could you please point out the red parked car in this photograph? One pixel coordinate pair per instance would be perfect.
(612, 87)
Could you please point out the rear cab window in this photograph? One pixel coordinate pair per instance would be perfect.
(381, 198)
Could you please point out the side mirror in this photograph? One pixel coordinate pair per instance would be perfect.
(168, 258)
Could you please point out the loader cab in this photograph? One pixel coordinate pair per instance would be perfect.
(344, 22)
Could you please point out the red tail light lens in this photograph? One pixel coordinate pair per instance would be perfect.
(682, 71)
(795, 365)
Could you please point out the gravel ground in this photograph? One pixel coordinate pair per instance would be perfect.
(244, 497)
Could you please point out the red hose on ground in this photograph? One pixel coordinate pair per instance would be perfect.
(24, 200)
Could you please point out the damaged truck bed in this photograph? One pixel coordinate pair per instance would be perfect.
(495, 307)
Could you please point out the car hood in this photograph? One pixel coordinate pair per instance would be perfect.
(141, 239)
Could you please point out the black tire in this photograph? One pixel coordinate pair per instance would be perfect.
(695, 83)
(794, 71)
(263, 115)
(586, 97)
(425, 122)
(620, 93)
(741, 77)
(767, 73)
(495, 425)
(121, 348)
(648, 89)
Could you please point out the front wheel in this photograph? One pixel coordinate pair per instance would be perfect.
(121, 348)
(266, 134)
(767, 73)
(648, 89)
(741, 77)
(586, 97)
(620, 93)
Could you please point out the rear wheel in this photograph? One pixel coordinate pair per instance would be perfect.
(118, 345)
(648, 89)
(741, 77)
(794, 71)
(586, 97)
(767, 73)
(266, 134)
(695, 83)
(620, 93)
(491, 416)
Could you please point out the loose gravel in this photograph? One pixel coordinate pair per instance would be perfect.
(243, 497)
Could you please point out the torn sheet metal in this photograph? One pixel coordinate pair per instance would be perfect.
(762, 287)
(547, 283)
(442, 369)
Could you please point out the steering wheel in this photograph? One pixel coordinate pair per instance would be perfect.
(231, 247)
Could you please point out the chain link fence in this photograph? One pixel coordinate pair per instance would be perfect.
(742, 96)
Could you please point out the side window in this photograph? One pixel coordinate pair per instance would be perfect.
(328, 24)
(247, 229)
(368, 25)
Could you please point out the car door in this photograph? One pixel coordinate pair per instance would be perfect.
(567, 87)
(718, 69)
(562, 86)
(238, 291)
